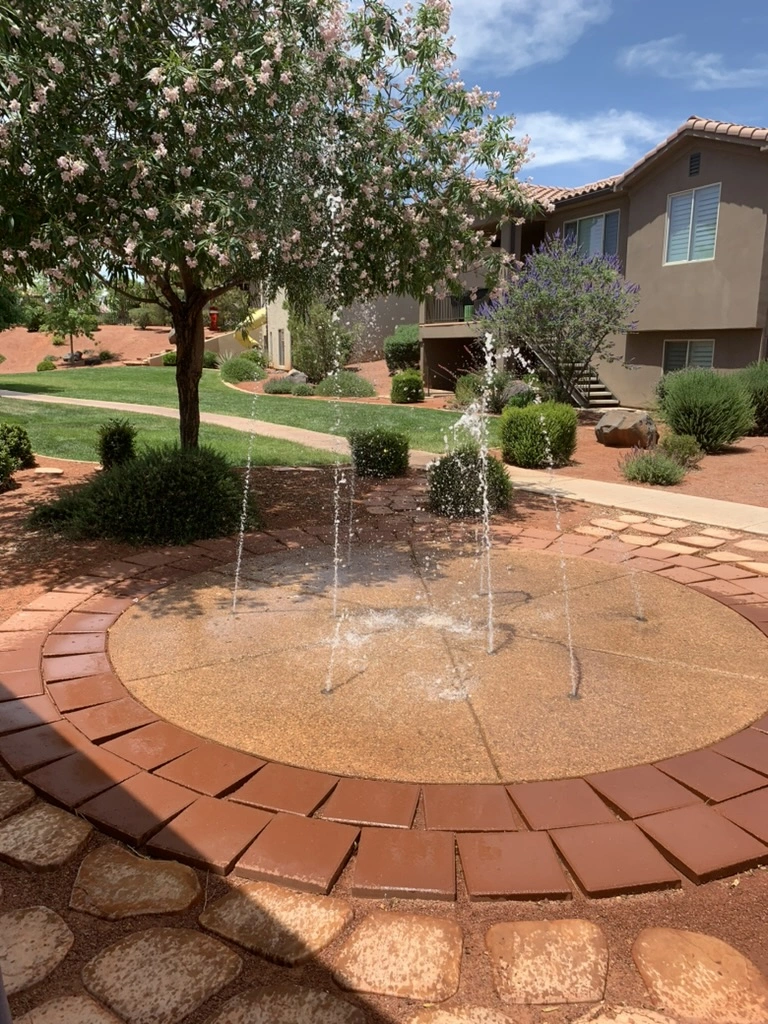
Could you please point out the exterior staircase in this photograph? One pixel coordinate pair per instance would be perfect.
(593, 392)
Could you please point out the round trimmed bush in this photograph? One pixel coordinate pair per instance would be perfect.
(651, 466)
(7, 469)
(166, 495)
(279, 386)
(455, 484)
(379, 452)
(116, 442)
(402, 350)
(710, 406)
(15, 442)
(683, 449)
(210, 360)
(254, 355)
(537, 435)
(407, 388)
(169, 358)
(303, 390)
(45, 365)
(236, 370)
(754, 379)
(106, 355)
(345, 384)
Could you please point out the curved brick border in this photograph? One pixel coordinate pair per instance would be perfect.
(70, 728)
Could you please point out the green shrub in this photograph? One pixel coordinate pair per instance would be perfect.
(110, 318)
(710, 406)
(58, 340)
(279, 386)
(150, 315)
(166, 495)
(754, 379)
(7, 469)
(455, 489)
(169, 358)
(651, 466)
(116, 442)
(210, 360)
(503, 389)
(303, 390)
(402, 350)
(539, 434)
(45, 364)
(33, 316)
(234, 370)
(320, 343)
(683, 449)
(107, 355)
(15, 442)
(521, 399)
(255, 355)
(379, 452)
(407, 388)
(345, 384)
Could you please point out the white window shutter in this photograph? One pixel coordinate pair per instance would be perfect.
(705, 207)
(679, 227)
(611, 236)
(701, 353)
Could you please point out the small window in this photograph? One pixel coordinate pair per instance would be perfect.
(694, 164)
(679, 355)
(281, 347)
(692, 225)
(595, 236)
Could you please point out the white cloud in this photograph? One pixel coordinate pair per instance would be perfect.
(508, 35)
(669, 58)
(616, 137)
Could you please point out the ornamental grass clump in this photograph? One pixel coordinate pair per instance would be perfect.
(407, 388)
(713, 407)
(166, 495)
(542, 434)
(455, 484)
(345, 384)
(379, 453)
(651, 466)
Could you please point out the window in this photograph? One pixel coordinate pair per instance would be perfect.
(281, 347)
(678, 355)
(595, 236)
(692, 225)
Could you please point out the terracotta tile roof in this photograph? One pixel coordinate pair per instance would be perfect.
(703, 127)
(549, 194)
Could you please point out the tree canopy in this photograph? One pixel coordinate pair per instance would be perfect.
(204, 144)
(563, 307)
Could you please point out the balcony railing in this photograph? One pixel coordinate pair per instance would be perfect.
(450, 310)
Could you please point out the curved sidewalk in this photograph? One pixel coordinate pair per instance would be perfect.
(709, 511)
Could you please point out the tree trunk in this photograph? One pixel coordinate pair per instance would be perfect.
(190, 341)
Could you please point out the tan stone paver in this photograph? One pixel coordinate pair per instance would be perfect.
(160, 975)
(42, 838)
(612, 525)
(699, 977)
(674, 548)
(405, 955)
(33, 942)
(761, 567)
(637, 538)
(113, 884)
(720, 534)
(14, 796)
(284, 926)
(625, 1015)
(466, 1015)
(699, 540)
(725, 556)
(594, 531)
(69, 1010)
(631, 518)
(673, 524)
(544, 962)
(288, 1004)
(653, 528)
(752, 545)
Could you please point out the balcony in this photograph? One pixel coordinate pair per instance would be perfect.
(450, 310)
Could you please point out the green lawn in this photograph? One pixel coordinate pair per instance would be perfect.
(70, 433)
(150, 385)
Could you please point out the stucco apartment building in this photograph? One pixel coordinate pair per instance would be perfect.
(688, 222)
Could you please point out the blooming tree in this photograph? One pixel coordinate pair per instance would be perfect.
(203, 144)
(563, 307)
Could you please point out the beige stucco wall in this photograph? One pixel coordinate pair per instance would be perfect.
(633, 378)
(727, 292)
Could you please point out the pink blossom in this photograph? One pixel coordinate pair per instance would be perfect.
(152, 213)
(156, 76)
(190, 85)
(171, 93)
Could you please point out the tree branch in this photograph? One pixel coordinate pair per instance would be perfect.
(124, 292)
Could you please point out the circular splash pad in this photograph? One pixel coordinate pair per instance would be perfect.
(399, 684)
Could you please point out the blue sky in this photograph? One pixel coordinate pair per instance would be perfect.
(597, 83)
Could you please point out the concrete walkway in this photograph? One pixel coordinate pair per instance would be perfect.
(654, 502)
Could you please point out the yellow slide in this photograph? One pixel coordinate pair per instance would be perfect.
(245, 333)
